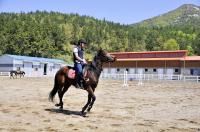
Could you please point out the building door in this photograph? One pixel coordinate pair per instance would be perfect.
(170, 71)
(160, 73)
(140, 71)
(28, 68)
(45, 69)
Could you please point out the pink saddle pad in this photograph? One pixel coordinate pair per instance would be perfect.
(71, 73)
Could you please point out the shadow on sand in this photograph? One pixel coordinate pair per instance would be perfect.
(67, 112)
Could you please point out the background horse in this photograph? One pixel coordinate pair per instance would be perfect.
(91, 72)
(14, 73)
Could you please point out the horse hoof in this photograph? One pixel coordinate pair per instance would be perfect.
(89, 108)
(61, 108)
(83, 114)
(57, 105)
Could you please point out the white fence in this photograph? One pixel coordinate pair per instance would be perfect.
(130, 77)
(4, 74)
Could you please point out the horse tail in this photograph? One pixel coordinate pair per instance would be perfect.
(54, 90)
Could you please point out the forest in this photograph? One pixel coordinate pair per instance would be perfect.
(52, 35)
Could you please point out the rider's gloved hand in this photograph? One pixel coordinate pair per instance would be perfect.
(84, 61)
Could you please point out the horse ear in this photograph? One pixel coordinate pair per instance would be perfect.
(100, 49)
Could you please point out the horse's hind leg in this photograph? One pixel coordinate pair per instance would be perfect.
(61, 92)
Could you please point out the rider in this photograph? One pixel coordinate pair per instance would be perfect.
(79, 61)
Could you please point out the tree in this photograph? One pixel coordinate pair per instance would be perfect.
(171, 44)
(196, 45)
(190, 50)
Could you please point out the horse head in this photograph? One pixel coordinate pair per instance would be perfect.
(105, 57)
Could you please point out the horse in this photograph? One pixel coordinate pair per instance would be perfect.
(91, 74)
(14, 73)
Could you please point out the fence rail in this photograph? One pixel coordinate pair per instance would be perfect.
(131, 77)
(4, 74)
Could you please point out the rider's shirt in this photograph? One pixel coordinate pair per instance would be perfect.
(80, 52)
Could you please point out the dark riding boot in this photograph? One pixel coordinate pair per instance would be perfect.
(79, 84)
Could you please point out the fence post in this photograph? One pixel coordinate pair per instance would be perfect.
(140, 79)
(125, 79)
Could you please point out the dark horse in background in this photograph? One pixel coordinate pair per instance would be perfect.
(15, 73)
(91, 74)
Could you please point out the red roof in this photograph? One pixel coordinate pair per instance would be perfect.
(155, 55)
(150, 54)
(188, 58)
(143, 52)
(192, 58)
(149, 59)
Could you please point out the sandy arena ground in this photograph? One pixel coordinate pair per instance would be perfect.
(156, 106)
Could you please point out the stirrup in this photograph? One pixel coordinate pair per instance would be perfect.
(78, 86)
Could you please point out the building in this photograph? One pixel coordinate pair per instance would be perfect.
(155, 62)
(32, 66)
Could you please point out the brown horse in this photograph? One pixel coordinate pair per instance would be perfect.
(91, 74)
(14, 73)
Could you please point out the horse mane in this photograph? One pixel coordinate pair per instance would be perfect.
(93, 69)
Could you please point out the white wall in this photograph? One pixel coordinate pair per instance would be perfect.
(140, 71)
(4, 62)
(160, 70)
(31, 68)
(6, 59)
(28, 68)
(132, 70)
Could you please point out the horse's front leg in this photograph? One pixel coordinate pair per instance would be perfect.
(86, 105)
(91, 101)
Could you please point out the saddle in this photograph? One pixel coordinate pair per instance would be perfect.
(72, 74)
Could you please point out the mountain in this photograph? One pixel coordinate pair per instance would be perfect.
(185, 14)
(51, 34)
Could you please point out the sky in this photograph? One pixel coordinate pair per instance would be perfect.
(118, 11)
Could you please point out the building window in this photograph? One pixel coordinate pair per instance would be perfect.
(154, 70)
(146, 70)
(118, 69)
(191, 71)
(23, 65)
(176, 70)
(18, 68)
(36, 69)
(51, 68)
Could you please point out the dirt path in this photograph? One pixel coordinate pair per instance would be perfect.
(155, 106)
